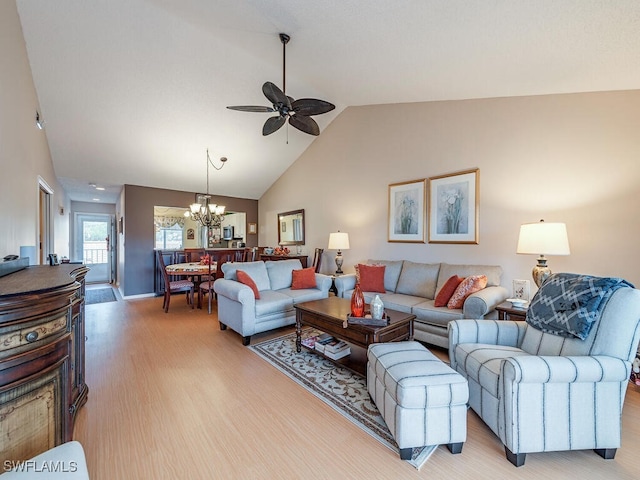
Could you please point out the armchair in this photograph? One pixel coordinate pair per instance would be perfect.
(541, 392)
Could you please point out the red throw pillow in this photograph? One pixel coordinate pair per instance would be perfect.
(243, 277)
(469, 285)
(305, 278)
(447, 290)
(371, 278)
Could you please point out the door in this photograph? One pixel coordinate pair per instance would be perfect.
(45, 237)
(93, 245)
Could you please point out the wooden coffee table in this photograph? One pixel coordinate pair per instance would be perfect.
(330, 316)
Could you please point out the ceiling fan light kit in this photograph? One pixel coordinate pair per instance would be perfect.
(297, 112)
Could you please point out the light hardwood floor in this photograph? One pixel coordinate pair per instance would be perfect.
(174, 397)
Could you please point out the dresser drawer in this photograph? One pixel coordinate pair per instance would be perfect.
(17, 338)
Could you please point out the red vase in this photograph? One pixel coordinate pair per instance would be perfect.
(357, 302)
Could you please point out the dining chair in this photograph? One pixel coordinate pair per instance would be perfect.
(193, 255)
(206, 287)
(249, 254)
(173, 286)
(317, 259)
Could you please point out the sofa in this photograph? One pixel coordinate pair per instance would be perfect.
(412, 287)
(542, 389)
(242, 312)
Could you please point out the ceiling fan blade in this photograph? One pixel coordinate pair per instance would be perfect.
(272, 124)
(275, 95)
(304, 124)
(252, 108)
(311, 106)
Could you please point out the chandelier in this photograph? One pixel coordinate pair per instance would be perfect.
(208, 214)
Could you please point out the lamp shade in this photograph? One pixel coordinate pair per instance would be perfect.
(543, 238)
(338, 241)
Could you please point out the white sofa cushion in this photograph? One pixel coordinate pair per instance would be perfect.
(391, 272)
(271, 301)
(304, 294)
(399, 302)
(427, 312)
(279, 272)
(493, 273)
(256, 270)
(418, 279)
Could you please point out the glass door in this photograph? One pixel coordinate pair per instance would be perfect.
(94, 234)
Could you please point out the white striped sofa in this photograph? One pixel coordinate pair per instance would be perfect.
(540, 392)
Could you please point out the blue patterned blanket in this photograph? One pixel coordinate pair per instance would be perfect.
(568, 304)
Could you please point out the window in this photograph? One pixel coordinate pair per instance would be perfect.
(169, 238)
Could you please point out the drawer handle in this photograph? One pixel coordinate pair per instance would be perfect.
(31, 337)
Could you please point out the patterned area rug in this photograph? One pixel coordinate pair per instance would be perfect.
(99, 295)
(342, 389)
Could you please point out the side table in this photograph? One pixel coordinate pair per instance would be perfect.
(506, 311)
(333, 289)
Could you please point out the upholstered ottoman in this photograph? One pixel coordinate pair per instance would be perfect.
(422, 400)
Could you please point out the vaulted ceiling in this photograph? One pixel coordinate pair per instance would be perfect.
(134, 91)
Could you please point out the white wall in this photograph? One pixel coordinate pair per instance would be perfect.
(24, 152)
(566, 158)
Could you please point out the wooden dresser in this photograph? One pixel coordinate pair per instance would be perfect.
(42, 363)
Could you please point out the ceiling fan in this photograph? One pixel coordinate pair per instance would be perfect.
(298, 112)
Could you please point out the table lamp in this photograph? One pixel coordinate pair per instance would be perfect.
(542, 239)
(339, 241)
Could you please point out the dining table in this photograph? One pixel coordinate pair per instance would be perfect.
(194, 270)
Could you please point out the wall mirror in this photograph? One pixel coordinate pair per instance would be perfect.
(174, 231)
(291, 228)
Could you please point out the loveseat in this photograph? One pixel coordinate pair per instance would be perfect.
(412, 287)
(240, 310)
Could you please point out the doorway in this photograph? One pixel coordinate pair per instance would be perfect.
(94, 246)
(44, 236)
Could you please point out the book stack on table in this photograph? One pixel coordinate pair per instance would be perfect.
(310, 342)
(332, 347)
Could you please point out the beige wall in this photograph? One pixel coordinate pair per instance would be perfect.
(24, 152)
(567, 158)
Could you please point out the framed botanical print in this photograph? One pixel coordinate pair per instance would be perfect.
(407, 211)
(453, 207)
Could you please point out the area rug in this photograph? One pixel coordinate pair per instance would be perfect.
(99, 295)
(341, 388)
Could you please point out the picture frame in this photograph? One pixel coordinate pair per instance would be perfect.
(283, 226)
(521, 289)
(454, 207)
(252, 228)
(191, 234)
(407, 213)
